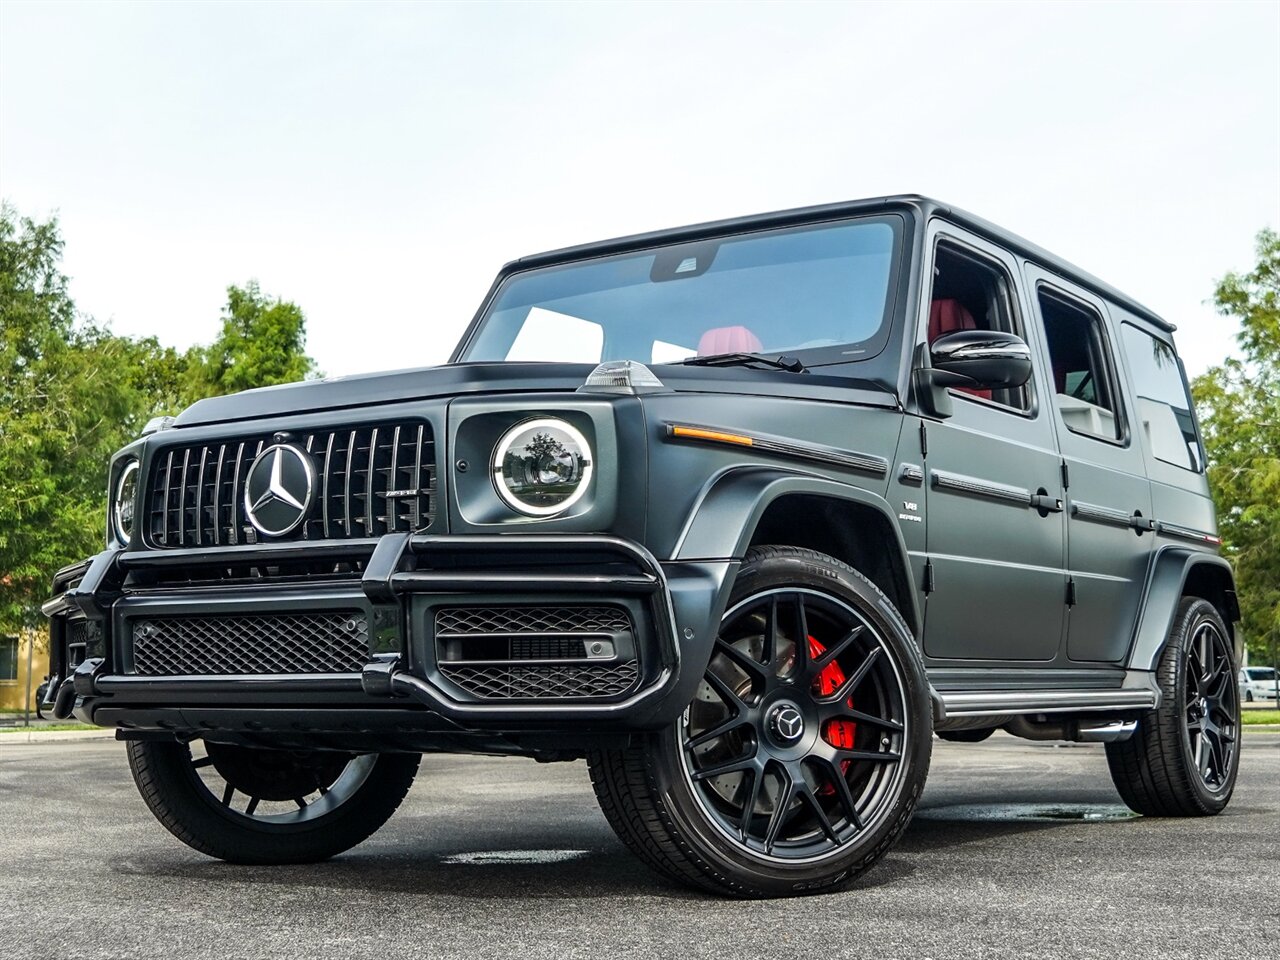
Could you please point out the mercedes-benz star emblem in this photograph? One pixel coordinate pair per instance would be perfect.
(788, 724)
(278, 490)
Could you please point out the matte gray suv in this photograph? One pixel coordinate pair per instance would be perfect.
(741, 513)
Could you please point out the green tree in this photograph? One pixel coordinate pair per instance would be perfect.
(1239, 407)
(72, 393)
(64, 408)
(262, 343)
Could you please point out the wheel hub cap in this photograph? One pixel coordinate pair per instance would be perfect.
(786, 723)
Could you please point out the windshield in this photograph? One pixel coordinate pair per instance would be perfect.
(820, 293)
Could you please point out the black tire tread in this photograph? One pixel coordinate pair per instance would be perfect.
(1149, 769)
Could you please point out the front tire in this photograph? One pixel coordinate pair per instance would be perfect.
(254, 805)
(802, 756)
(1183, 759)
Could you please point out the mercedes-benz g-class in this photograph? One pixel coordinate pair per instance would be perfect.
(741, 513)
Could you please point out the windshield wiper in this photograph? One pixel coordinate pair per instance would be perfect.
(784, 362)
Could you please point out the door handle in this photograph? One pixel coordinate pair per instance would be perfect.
(1045, 503)
(1141, 524)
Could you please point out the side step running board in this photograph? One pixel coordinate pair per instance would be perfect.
(999, 702)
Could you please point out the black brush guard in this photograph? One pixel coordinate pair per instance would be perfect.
(400, 696)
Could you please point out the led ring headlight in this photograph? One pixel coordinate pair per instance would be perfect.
(542, 467)
(126, 498)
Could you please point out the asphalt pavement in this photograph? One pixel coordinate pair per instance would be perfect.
(1019, 850)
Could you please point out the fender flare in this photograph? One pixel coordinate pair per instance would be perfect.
(1166, 580)
(724, 518)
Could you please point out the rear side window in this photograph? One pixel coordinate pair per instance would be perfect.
(1164, 403)
(1083, 385)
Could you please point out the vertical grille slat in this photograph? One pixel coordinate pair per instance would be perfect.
(182, 499)
(217, 495)
(204, 459)
(346, 499)
(197, 491)
(369, 529)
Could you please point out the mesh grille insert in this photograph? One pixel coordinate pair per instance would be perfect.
(543, 682)
(334, 641)
(471, 620)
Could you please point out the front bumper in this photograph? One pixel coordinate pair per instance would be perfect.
(405, 694)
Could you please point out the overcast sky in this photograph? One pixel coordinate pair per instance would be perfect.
(377, 163)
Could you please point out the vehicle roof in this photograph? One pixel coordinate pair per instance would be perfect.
(924, 206)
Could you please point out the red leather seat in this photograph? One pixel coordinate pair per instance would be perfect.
(948, 316)
(728, 340)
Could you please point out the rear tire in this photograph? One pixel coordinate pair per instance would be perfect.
(353, 797)
(798, 764)
(1183, 758)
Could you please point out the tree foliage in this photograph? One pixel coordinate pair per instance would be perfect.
(72, 393)
(1239, 407)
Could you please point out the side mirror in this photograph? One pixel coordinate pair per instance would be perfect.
(980, 359)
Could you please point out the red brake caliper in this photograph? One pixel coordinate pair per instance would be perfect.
(838, 733)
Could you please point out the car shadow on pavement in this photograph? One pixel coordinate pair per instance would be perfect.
(557, 869)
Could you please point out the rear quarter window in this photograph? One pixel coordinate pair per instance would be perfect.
(1163, 401)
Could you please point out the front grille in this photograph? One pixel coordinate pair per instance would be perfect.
(370, 480)
(509, 682)
(335, 641)
(537, 652)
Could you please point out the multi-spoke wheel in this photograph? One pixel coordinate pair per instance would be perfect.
(1182, 761)
(257, 805)
(804, 749)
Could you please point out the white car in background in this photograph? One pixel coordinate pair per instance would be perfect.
(1257, 683)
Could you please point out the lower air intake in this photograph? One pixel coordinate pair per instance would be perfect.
(335, 641)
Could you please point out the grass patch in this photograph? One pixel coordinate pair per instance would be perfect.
(52, 726)
(1253, 717)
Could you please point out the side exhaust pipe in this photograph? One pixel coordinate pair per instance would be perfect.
(1075, 731)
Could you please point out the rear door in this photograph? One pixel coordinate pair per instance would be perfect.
(1108, 498)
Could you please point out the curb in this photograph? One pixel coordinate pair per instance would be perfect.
(55, 736)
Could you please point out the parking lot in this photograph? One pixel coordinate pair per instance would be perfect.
(1019, 850)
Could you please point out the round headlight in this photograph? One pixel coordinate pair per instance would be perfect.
(125, 501)
(542, 467)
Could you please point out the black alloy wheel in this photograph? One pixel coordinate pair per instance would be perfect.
(259, 805)
(794, 742)
(1212, 706)
(803, 752)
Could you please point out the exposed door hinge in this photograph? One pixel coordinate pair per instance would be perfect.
(924, 439)
(1066, 476)
(928, 576)
(1071, 591)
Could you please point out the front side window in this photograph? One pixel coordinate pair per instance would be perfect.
(1084, 388)
(1163, 401)
(820, 293)
(971, 292)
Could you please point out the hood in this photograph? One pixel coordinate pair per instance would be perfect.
(458, 379)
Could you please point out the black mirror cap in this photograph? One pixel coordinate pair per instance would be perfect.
(987, 359)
